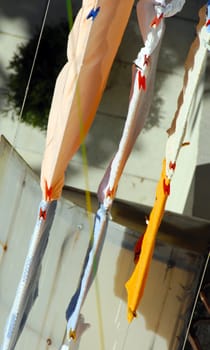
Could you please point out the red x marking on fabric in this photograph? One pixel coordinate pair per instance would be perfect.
(48, 192)
(42, 214)
(141, 80)
(156, 21)
(172, 165)
(166, 187)
(208, 23)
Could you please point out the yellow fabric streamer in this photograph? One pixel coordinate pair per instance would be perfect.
(135, 285)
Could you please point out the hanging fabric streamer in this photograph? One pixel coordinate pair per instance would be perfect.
(92, 46)
(151, 22)
(88, 273)
(28, 286)
(136, 284)
(99, 232)
(194, 66)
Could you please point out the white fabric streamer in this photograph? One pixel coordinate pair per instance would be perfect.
(198, 52)
(140, 101)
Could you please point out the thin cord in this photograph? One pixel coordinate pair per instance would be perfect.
(4, 245)
(125, 336)
(196, 299)
(31, 72)
(69, 13)
(99, 312)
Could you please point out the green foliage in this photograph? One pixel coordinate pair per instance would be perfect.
(50, 59)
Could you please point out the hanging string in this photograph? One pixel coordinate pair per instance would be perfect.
(125, 336)
(69, 13)
(27, 89)
(120, 311)
(31, 72)
(196, 299)
(2, 244)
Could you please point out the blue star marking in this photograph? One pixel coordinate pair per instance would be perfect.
(93, 13)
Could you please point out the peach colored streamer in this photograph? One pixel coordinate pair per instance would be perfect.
(92, 46)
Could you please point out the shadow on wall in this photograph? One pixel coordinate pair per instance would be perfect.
(170, 289)
(33, 13)
(30, 16)
(19, 22)
(114, 104)
(199, 195)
